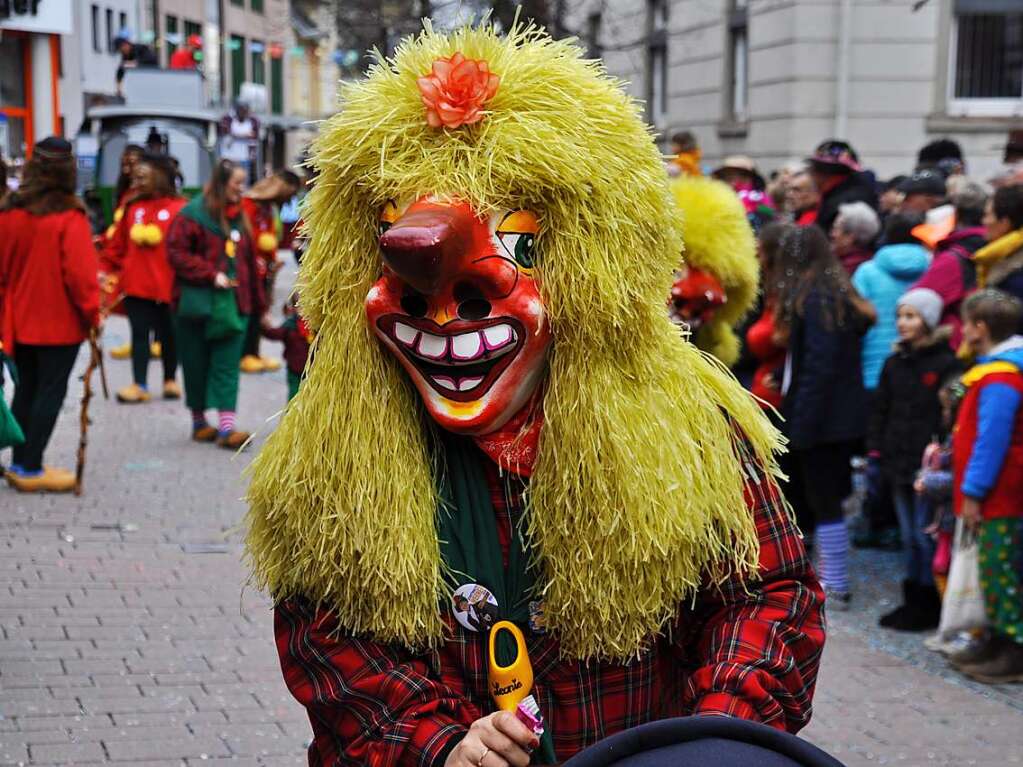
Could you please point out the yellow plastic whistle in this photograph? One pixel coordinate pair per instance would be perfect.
(510, 684)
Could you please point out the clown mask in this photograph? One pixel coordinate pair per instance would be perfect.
(458, 306)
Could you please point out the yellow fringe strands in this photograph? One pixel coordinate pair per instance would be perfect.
(719, 239)
(638, 490)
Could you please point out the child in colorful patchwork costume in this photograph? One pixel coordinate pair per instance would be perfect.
(502, 415)
(987, 463)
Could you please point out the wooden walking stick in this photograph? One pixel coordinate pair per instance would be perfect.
(95, 361)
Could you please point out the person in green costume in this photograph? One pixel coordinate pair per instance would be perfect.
(215, 291)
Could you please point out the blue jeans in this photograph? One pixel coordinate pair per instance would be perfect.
(914, 514)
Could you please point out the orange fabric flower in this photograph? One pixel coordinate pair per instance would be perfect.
(456, 91)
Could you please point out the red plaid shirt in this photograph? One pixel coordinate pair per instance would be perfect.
(750, 652)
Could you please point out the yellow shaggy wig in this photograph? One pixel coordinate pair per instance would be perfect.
(719, 239)
(637, 494)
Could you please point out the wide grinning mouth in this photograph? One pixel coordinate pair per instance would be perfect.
(462, 359)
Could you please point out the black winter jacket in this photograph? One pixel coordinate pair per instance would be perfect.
(907, 414)
(858, 187)
(825, 402)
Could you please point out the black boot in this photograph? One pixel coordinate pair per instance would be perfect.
(896, 616)
(923, 610)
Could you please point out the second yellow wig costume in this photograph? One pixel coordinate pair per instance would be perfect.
(719, 239)
(637, 494)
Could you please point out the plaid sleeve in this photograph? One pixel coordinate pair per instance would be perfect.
(368, 703)
(760, 644)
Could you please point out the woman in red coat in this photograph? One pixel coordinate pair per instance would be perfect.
(137, 254)
(49, 301)
(261, 206)
(215, 291)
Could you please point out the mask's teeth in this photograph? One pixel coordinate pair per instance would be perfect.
(465, 384)
(432, 347)
(498, 336)
(406, 334)
(467, 346)
(446, 382)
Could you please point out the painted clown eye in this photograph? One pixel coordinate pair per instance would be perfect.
(517, 235)
(388, 215)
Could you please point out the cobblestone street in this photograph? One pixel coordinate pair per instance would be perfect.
(130, 636)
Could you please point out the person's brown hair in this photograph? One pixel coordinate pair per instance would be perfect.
(1000, 311)
(162, 168)
(805, 262)
(213, 192)
(47, 184)
(1008, 203)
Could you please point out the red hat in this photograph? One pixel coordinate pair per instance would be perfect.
(194, 41)
(834, 154)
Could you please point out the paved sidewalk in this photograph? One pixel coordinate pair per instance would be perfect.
(129, 635)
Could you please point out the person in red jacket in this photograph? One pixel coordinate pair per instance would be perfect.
(215, 290)
(189, 55)
(261, 205)
(297, 338)
(49, 302)
(987, 466)
(137, 254)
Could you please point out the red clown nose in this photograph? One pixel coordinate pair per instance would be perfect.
(425, 246)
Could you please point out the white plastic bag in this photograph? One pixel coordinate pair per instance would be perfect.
(962, 607)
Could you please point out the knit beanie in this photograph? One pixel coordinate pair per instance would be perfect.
(926, 302)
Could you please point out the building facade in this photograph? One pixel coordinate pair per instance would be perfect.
(772, 78)
(30, 72)
(89, 57)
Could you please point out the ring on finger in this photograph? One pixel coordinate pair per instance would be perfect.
(479, 762)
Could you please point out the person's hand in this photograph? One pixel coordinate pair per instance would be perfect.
(918, 485)
(265, 322)
(223, 282)
(498, 740)
(970, 512)
(768, 382)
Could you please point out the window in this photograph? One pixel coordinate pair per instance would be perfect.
(236, 45)
(986, 62)
(276, 85)
(258, 63)
(192, 28)
(657, 60)
(256, 6)
(97, 36)
(239, 3)
(738, 61)
(111, 34)
(122, 21)
(173, 38)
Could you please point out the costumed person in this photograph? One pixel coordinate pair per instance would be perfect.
(215, 291)
(49, 302)
(111, 296)
(296, 336)
(136, 255)
(987, 464)
(716, 286)
(261, 206)
(492, 236)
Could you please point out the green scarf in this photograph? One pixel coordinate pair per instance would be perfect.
(197, 211)
(471, 549)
